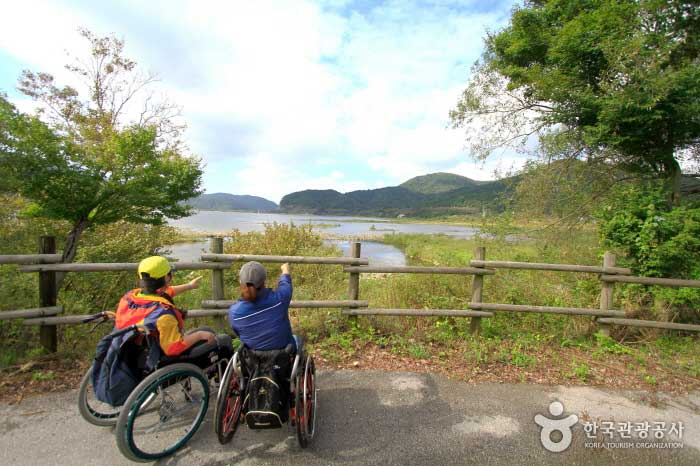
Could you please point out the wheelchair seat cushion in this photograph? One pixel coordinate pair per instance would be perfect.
(203, 354)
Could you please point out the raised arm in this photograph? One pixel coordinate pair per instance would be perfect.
(193, 284)
(284, 286)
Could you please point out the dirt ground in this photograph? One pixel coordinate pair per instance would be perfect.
(60, 372)
(619, 371)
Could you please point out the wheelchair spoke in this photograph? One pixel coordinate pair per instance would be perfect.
(305, 401)
(228, 405)
(177, 404)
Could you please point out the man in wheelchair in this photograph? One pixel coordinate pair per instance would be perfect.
(260, 318)
(271, 362)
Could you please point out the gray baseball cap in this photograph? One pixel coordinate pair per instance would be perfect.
(252, 272)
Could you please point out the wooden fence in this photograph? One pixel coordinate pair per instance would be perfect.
(47, 264)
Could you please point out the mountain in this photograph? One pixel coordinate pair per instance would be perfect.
(225, 201)
(428, 195)
(317, 200)
(438, 183)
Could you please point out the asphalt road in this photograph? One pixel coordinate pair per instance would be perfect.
(378, 418)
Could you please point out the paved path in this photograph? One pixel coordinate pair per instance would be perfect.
(377, 418)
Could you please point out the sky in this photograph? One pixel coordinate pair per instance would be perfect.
(281, 96)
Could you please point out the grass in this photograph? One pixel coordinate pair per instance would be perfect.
(515, 347)
(581, 371)
(529, 343)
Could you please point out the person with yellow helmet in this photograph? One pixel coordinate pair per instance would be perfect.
(152, 305)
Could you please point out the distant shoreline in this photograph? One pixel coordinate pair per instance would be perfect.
(471, 221)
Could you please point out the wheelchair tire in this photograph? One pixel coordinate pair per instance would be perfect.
(229, 404)
(93, 410)
(305, 403)
(149, 425)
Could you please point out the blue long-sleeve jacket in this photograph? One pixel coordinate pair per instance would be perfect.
(264, 323)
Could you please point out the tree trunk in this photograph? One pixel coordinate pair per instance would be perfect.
(71, 246)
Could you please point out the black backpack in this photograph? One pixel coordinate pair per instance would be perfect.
(268, 390)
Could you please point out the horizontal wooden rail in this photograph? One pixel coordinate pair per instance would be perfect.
(58, 320)
(416, 269)
(30, 259)
(283, 259)
(118, 267)
(206, 312)
(417, 312)
(651, 324)
(225, 304)
(547, 309)
(652, 281)
(28, 313)
(552, 267)
(213, 311)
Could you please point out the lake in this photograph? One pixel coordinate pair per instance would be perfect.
(214, 222)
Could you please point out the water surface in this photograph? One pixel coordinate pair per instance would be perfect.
(214, 222)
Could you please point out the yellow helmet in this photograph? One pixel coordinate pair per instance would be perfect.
(154, 266)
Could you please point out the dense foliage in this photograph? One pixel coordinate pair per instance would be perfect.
(657, 240)
(82, 161)
(598, 79)
(81, 293)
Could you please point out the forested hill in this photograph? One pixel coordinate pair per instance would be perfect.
(225, 201)
(434, 194)
(439, 183)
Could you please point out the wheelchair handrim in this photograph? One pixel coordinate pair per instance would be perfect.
(92, 409)
(309, 393)
(233, 411)
(148, 396)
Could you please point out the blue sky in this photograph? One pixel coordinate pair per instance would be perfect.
(280, 96)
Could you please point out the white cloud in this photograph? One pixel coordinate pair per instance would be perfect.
(495, 168)
(264, 176)
(280, 87)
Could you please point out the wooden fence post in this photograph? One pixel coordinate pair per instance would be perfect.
(477, 289)
(216, 246)
(354, 278)
(47, 294)
(606, 293)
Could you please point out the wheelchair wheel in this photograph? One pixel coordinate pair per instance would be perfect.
(163, 412)
(305, 403)
(229, 403)
(93, 410)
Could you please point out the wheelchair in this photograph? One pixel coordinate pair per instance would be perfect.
(169, 403)
(237, 391)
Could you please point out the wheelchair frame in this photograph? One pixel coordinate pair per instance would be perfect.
(232, 398)
(186, 371)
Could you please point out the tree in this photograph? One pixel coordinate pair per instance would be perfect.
(610, 81)
(79, 160)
